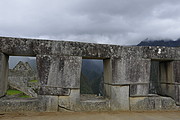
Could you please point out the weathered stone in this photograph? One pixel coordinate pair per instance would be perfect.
(59, 71)
(70, 102)
(3, 74)
(152, 103)
(43, 47)
(43, 67)
(51, 103)
(167, 90)
(21, 105)
(177, 94)
(16, 46)
(130, 71)
(159, 53)
(119, 98)
(154, 77)
(176, 70)
(95, 105)
(139, 89)
(130, 53)
(166, 72)
(48, 90)
(107, 90)
(107, 71)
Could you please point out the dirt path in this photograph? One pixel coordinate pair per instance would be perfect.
(92, 116)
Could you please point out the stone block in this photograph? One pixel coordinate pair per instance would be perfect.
(177, 94)
(167, 90)
(16, 46)
(130, 71)
(95, 105)
(152, 103)
(139, 89)
(176, 70)
(119, 98)
(22, 105)
(3, 74)
(51, 103)
(59, 71)
(107, 71)
(166, 72)
(48, 90)
(158, 52)
(131, 52)
(107, 90)
(71, 102)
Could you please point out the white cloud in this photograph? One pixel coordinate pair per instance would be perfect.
(122, 22)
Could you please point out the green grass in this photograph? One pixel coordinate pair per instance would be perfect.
(13, 92)
(33, 81)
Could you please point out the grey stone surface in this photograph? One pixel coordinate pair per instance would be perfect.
(107, 64)
(50, 103)
(159, 53)
(33, 47)
(139, 89)
(71, 102)
(95, 105)
(152, 103)
(16, 46)
(154, 77)
(125, 71)
(176, 70)
(59, 71)
(3, 74)
(128, 71)
(166, 72)
(48, 90)
(177, 94)
(167, 90)
(107, 90)
(119, 98)
(17, 105)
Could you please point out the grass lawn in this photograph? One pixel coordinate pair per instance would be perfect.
(33, 81)
(13, 92)
(16, 92)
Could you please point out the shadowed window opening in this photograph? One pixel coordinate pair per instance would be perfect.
(160, 77)
(22, 77)
(91, 81)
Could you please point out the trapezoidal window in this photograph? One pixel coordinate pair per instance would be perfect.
(22, 77)
(91, 81)
(161, 76)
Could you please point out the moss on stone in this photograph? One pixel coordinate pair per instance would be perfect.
(13, 92)
(33, 81)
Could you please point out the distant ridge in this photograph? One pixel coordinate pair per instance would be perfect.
(162, 42)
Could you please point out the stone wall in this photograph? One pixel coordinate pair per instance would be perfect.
(128, 80)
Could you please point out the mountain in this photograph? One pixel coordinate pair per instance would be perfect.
(162, 42)
(14, 60)
(92, 76)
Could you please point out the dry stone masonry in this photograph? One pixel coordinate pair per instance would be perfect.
(135, 78)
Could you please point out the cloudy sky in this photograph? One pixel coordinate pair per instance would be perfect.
(123, 22)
